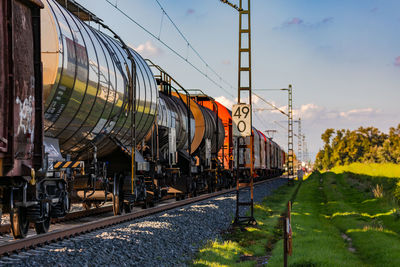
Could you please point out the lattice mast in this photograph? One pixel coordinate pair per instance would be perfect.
(299, 146)
(290, 134)
(245, 95)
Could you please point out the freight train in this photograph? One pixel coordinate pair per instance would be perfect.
(84, 118)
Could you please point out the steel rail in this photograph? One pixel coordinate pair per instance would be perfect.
(58, 235)
(6, 228)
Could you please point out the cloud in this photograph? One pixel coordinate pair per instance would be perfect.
(294, 21)
(313, 116)
(190, 11)
(327, 20)
(353, 113)
(228, 103)
(283, 108)
(397, 61)
(308, 111)
(299, 22)
(315, 119)
(148, 49)
(314, 112)
(374, 10)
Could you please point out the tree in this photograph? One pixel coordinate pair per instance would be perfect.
(318, 160)
(326, 136)
(362, 145)
(390, 151)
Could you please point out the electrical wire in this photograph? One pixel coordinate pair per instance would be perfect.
(191, 46)
(232, 5)
(272, 105)
(285, 128)
(169, 47)
(260, 119)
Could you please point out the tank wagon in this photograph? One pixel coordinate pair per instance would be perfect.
(84, 118)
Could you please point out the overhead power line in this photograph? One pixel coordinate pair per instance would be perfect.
(262, 120)
(170, 48)
(191, 46)
(283, 127)
(262, 109)
(272, 105)
(231, 4)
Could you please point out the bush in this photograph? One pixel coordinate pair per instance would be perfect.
(397, 191)
(377, 191)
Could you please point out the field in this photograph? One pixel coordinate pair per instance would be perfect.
(349, 216)
(387, 170)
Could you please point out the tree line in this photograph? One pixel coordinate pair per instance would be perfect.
(366, 145)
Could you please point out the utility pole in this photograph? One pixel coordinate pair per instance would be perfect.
(300, 137)
(289, 114)
(299, 145)
(290, 135)
(244, 95)
(304, 148)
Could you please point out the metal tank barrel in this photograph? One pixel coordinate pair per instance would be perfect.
(172, 113)
(210, 129)
(85, 80)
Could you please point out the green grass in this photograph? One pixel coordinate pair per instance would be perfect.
(221, 253)
(370, 222)
(316, 242)
(374, 175)
(388, 170)
(343, 206)
(347, 217)
(252, 241)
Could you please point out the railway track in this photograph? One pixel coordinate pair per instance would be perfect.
(6, 228)
(67, 228)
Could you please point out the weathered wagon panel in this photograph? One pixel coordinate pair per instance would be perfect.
(19, 82)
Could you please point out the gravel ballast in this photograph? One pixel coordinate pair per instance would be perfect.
(169, 238)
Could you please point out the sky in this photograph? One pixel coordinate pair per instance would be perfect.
(342, 57)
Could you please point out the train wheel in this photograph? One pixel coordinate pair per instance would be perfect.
(127, 207)
(152, 204)
(118, 202)
(86, 205)
(117, 205)
(43, 227)
(19, 222)
(145, 204)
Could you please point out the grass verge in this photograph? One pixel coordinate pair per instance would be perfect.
(347, 217)
(316, 242)
(387, 170)
(338, 220)
(249, 246)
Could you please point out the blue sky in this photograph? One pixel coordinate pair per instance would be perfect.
(342, 56)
